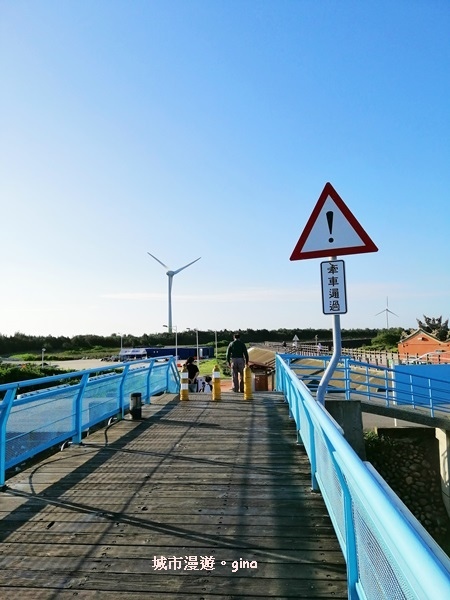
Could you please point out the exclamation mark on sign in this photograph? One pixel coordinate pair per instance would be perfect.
(330, 225)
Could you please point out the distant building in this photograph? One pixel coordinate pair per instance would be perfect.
(127, 354)
(183, 352)
(420, 342)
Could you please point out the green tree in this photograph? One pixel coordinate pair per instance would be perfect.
(387, 339)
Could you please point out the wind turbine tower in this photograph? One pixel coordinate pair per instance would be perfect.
(387, 311)
(170, 274)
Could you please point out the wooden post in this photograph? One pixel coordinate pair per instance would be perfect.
(216, 392)
(248, 395)
(184, 390)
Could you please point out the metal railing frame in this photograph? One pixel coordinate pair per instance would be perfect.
(389, 386)
(417, 567)
(75, 385)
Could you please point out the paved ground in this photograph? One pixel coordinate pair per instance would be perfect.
(75, 365)
(81, 365)
(198, 500)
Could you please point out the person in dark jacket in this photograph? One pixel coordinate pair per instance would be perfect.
(193, 372)
(237, 359)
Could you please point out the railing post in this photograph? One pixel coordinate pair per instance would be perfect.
(78, 425)
(312, 453)
(297, 419)
(430, 394)
(288, 398)
(121, 388)
(176, 374)
(411, 387)
(167, 374)
(347, 378)
(386, 385)
(4, 414)
(147, 395)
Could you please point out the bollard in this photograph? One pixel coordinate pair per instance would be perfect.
(136, 405)
(216, 383)
(184, 390)
(248, 383)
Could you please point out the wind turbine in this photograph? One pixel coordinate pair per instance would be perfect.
(170, 274)
(387, 311)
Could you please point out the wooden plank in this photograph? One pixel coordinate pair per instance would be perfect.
(184, 584)
(289, 549)
(10, 593)
(225, 481)
(179, 563)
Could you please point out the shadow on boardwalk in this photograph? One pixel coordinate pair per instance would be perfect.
(199, 499)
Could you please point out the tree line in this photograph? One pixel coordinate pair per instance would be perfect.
(20, 342)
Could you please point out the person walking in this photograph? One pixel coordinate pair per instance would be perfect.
(237, 359)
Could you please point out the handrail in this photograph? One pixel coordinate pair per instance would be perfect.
(34, 421)
(388, 552)
(401, 385)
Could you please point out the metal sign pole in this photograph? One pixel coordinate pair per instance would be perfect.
(337, 350)
(332, 229)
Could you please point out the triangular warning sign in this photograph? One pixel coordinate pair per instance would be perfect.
(332, 230)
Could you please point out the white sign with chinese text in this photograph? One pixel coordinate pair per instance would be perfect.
(334, 293)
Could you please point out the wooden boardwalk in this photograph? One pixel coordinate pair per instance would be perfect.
(170, 507)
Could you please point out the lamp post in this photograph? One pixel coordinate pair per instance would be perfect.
(215, 337)
(42, 360)
(121, 340)
(174, 328)
(196, 337)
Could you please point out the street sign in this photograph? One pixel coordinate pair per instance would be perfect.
(332, 230)
(334, 293)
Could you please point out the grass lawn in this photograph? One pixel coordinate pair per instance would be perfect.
(206, 368)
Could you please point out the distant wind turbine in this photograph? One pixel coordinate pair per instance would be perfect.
(387, 311)
(170, 274)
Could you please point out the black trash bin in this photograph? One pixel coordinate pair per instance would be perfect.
(136, 405)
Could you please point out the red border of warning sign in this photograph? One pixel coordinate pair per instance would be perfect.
(367, 246)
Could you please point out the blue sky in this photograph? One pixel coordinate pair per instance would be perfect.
(209, 128)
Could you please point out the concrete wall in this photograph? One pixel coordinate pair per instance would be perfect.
(443, 438)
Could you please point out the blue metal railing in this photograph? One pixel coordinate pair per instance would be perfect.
(34, 421)
(398, 386)
(388, 553)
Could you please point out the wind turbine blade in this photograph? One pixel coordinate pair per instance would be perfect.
(186, 266)
(392, 313)
(381, 311)
(157, 259)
